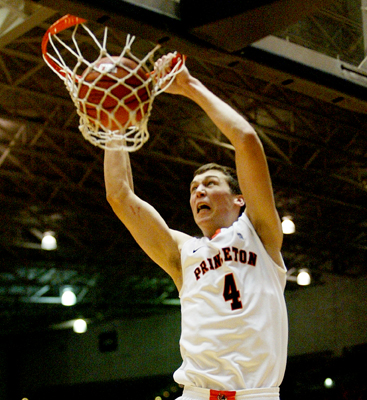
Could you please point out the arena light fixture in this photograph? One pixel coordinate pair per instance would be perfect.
(288, 226)
(49, 241)
(304, 277)
(329, 383)
(68, 297)
(80, 325)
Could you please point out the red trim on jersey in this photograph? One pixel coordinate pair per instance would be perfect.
(217, 232)
(222, 395)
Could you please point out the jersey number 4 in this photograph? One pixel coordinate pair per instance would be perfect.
(230, 292)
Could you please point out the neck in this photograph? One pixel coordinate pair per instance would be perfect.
(211, 232)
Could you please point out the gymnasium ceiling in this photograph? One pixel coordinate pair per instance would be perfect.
(298, 76)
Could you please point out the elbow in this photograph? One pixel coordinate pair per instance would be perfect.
(117, 206)
(244, 133)
(118, 200)
(113, 200)
(249, 135)
(246, 140)
(110, 198)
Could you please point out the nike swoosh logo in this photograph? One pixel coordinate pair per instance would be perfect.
(195, 250)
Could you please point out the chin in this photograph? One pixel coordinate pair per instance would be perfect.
(204, 225)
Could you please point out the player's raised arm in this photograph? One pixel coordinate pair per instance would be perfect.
(251, 164)
(144, 223)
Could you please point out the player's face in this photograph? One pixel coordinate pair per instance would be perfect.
(212, 203)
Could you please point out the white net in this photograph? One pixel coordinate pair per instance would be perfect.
(112, 106)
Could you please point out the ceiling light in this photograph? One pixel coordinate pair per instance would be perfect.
(80, 326)
(329, 383)
(68, 297)
(288, 226)
(49, 241)
(304, 277)
(68, 324)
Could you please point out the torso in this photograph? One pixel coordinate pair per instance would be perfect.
(234, 322)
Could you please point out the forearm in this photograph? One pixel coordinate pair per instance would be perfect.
(234, 126)
(117, 172)
(143, 222)
(229, 122)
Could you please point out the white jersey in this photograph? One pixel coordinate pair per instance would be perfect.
(234, 319)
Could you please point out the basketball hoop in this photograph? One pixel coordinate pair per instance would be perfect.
(68, 61)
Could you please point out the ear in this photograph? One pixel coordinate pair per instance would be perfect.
(239, 200)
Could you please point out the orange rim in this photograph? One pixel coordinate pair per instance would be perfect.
(63, 23)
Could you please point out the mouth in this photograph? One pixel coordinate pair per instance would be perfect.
(201, 207)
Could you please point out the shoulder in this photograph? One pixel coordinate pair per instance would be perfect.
(270, 239)
(180, 238)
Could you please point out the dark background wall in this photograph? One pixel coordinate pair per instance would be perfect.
(328, 338)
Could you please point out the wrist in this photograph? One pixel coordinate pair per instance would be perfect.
(191, 87)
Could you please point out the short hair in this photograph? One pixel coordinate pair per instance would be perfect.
(230, 173)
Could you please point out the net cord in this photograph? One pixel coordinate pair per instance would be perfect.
(133, 134)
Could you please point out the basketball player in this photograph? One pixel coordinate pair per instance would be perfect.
(231, 281)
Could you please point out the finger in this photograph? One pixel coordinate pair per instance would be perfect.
(178, 58)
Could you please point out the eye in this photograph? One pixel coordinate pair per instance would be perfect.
(211, 183)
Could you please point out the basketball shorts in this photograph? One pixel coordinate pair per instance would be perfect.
(194, 393)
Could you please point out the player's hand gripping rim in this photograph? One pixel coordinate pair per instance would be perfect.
(166, 70)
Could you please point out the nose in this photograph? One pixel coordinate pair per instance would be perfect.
(200, 190)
